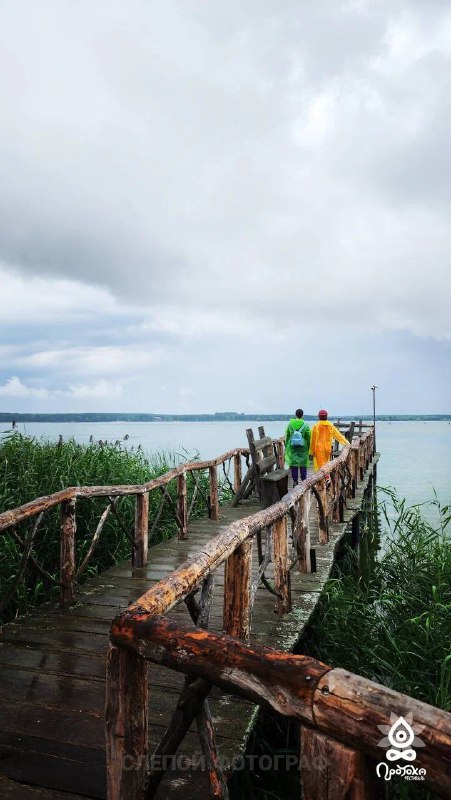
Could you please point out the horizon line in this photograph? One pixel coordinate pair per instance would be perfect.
(9, 416)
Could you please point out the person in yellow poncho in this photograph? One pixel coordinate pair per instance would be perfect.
(323, 434)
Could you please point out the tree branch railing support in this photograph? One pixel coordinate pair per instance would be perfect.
(67, 551)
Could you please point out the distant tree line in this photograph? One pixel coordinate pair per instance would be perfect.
(229, 416)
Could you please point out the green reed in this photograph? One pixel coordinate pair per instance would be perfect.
(392, 624)
(31, 467)
(386, 616)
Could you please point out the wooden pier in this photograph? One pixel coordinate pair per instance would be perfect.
(53, 721)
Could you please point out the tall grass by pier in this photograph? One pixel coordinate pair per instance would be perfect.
(392, 623)
(386, 616)
(31, 467)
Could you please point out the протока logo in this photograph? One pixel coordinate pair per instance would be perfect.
(401, 738)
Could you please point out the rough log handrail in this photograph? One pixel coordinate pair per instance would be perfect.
(139, 536)
(338, 704)
(339, 712)
(16, 515)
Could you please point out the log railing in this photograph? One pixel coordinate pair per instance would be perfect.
(217, 474)
(340, 712)
(141, 632)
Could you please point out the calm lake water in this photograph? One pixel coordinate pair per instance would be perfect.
(415, 456)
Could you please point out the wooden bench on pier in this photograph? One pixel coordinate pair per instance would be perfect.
(265, 475)
(348, 430)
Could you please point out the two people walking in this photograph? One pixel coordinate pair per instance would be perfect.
(301, 443)
(297, 446)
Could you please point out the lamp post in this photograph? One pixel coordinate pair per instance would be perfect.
(373, 389)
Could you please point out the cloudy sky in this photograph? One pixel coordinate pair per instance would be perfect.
(239, 205)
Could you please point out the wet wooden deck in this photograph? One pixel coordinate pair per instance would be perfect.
(53, 672)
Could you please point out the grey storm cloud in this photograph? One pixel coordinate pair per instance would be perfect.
(190, 152)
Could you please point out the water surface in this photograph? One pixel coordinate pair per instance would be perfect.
(415, 456)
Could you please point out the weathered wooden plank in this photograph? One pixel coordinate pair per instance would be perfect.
(266, 464)
(40, 658)
(78, 692)
(71, 693)
(73, 642)
(59, 625)
(11, 790)
(53, 723)
(49, 764)
(262, 444)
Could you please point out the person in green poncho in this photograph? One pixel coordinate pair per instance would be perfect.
(297, 445)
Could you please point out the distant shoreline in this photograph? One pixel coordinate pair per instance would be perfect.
(7, 417)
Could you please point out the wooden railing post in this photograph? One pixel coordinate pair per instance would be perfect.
(182, 505)
(335, 477)
(237, 592)
(330, 770)
(282, 582)
(67, 551)
(339, 705)
(214, 493)
(355, 470)
(341, 493)
(126, 724)
(301, 532)
(141, 538)
(236, 472)
(280, 449)
(323, 526)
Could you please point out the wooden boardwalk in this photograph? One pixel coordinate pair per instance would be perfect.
(52, 664)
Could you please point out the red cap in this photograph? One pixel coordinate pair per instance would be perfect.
(322, 414)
